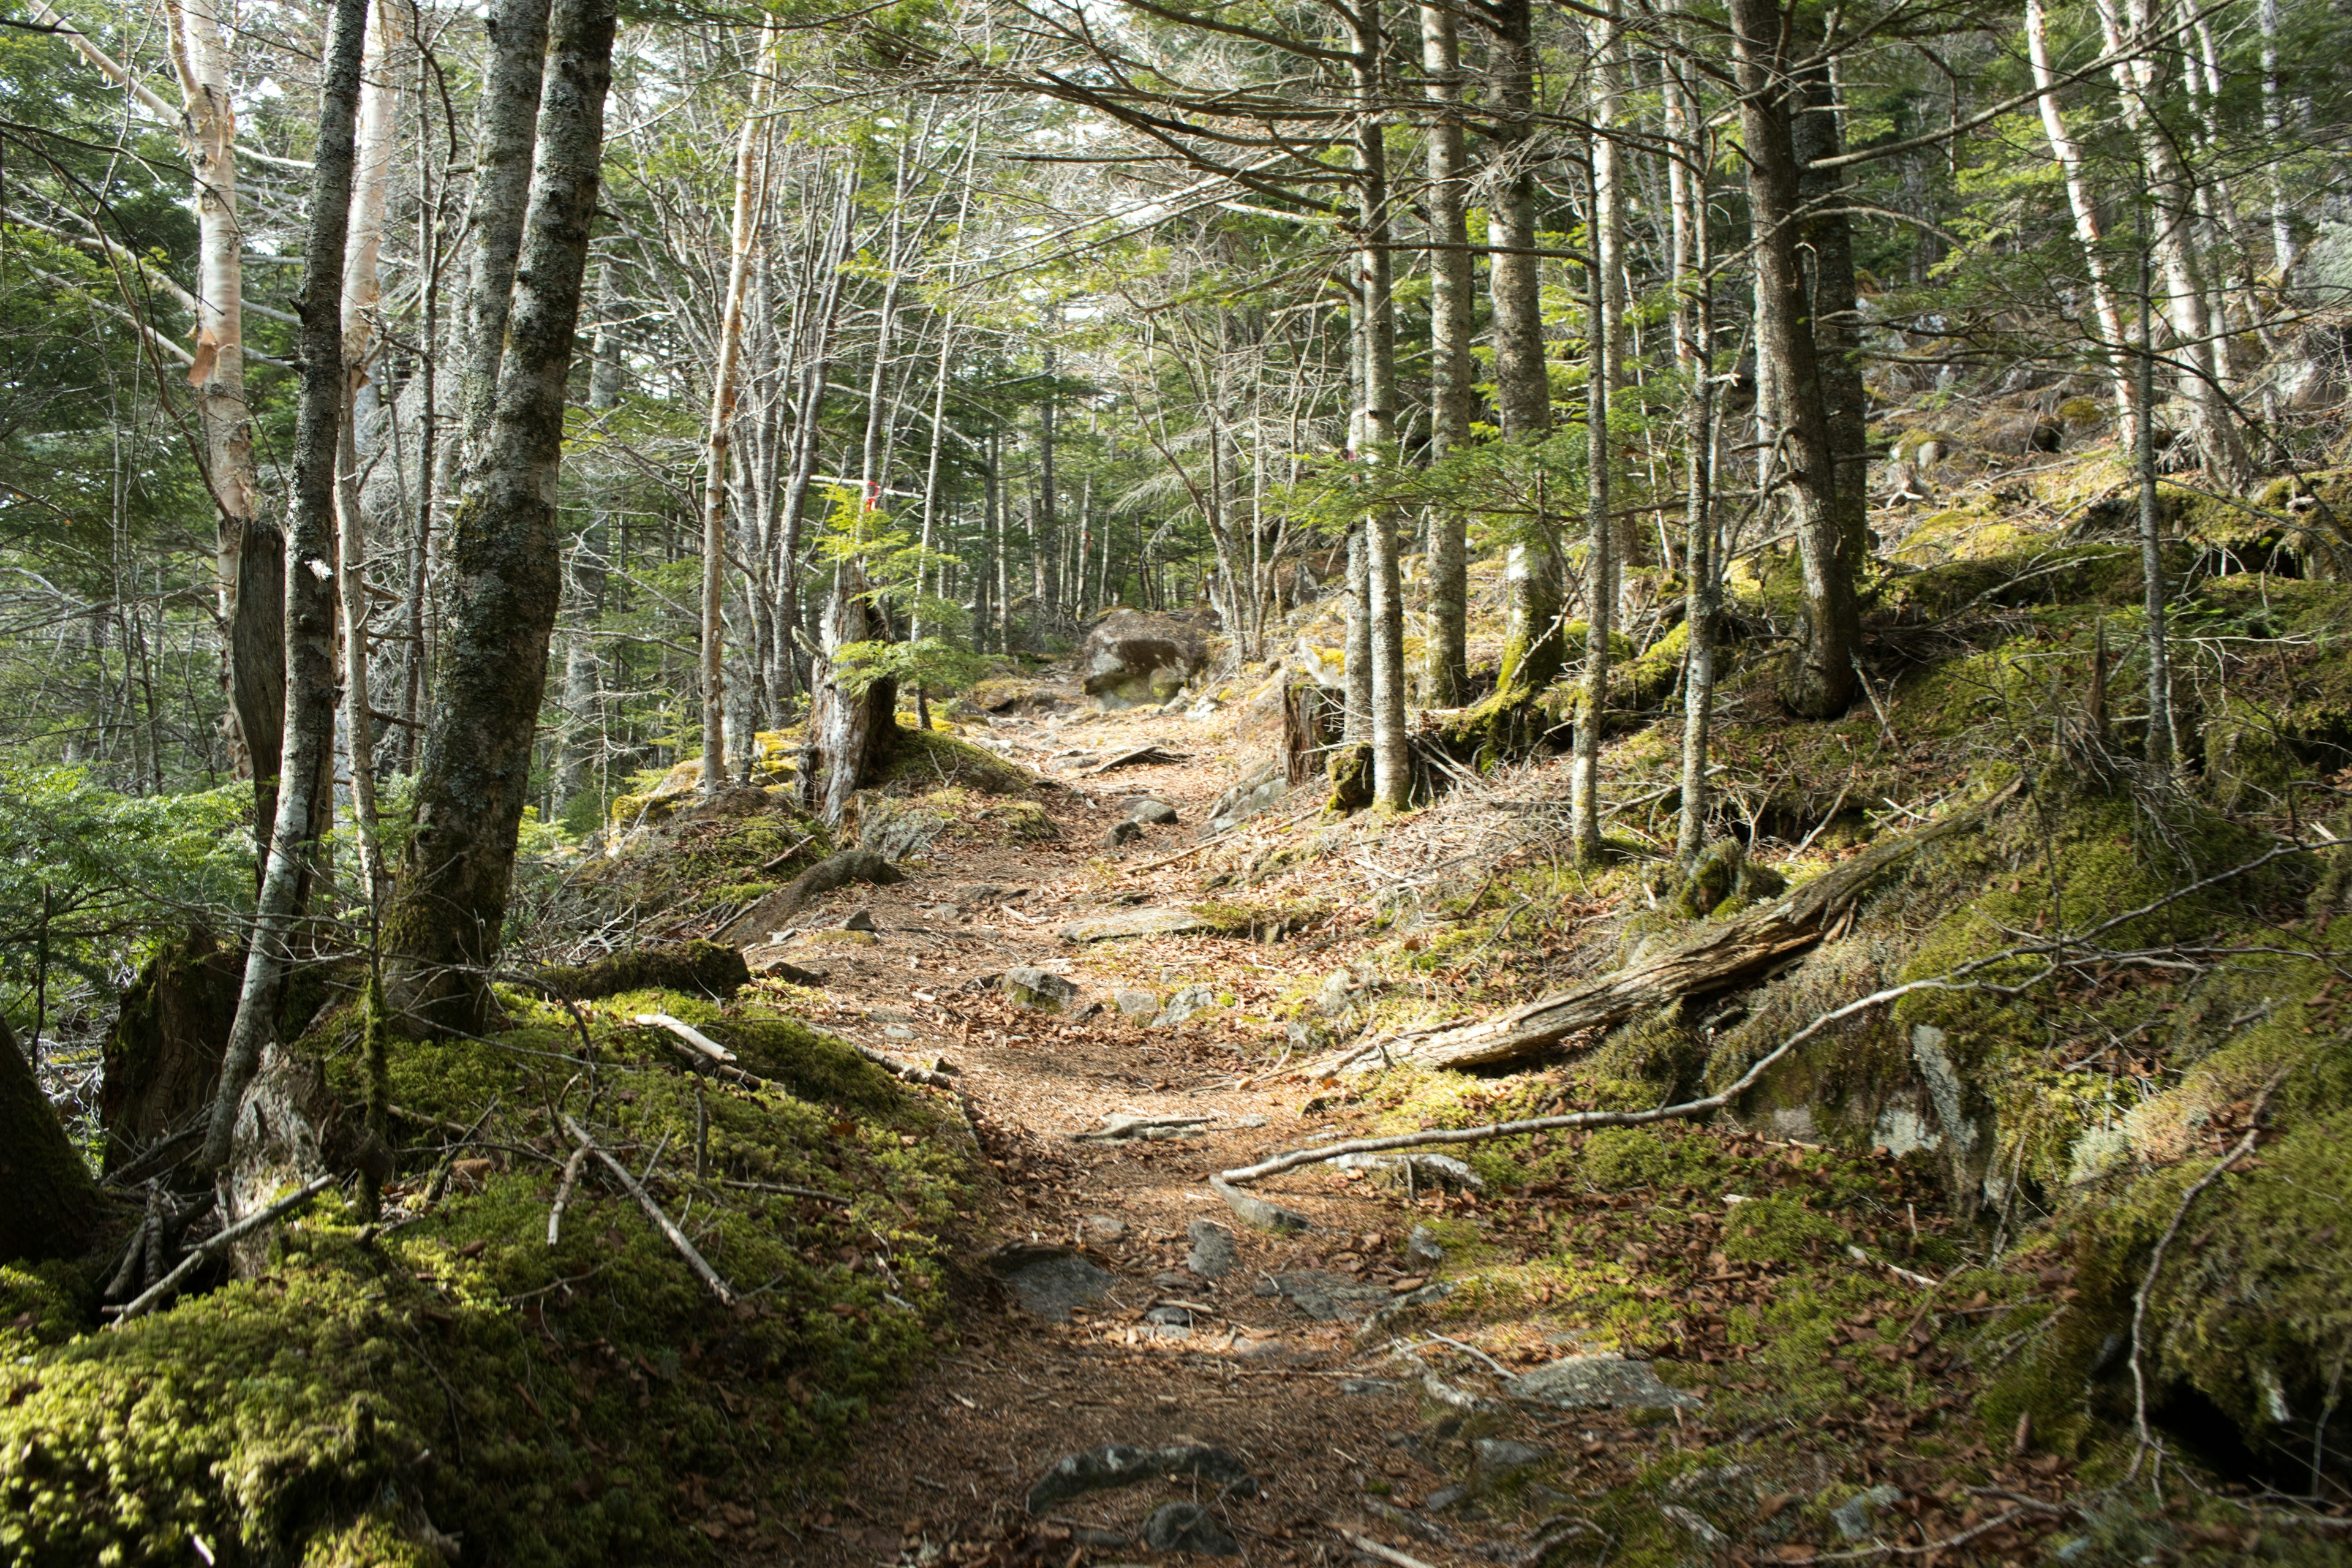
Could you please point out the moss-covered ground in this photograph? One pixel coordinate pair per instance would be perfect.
(449, 1375)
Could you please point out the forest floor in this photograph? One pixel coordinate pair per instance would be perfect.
(1405, 1440)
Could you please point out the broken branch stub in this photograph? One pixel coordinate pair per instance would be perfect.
(1713, 961)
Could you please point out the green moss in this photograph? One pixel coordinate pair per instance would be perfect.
(926, 758)
(701, 968)
(1269, 920)
(542, 1402)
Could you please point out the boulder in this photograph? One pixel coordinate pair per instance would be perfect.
(1134, 656)
(1039, 988)
(1151, 812)
(1254, 791)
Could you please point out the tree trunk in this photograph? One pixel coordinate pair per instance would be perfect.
(54, 1208)
(2163, 742)
(250, 553)
(1817, 681)
(506, 138)
(443, 934)
(741, 236)
(2069, 156)
(2145, 79)
(1600, 585)
(851, 728)
(309, 606)
(1825, 244)
(378, 140)
(1694, 350)
(1533, 646)
(1375, 281)
(1355, 728)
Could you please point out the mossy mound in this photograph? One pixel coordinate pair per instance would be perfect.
(705, 858)
(698, 968)
(449, 1373)
(927, 758)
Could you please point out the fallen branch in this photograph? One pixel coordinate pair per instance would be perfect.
(1371, 1547)
(789, 1191)
(1713, 961)
(694, 1038)
(146, 1300)
(1583, 1118)
(563, 1193)
(904, 1069)
(694, 1259)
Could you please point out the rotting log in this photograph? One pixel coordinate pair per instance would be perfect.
(750, 928)
(1715, 960)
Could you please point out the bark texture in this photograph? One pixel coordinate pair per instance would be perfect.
(1817, 681)
(1450, 312)
(311, 578)
(442, 935)
(506, 134)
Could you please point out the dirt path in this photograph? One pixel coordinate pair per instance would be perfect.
(1332, 1429)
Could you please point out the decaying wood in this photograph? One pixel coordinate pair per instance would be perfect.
(1718, 959)
(146, 1301)
(1225, 1183)
(694, 1259)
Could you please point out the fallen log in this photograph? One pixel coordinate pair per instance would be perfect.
(1715, 960)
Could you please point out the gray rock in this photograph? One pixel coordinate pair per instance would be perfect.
(1151, 812)
(1706, 1534)
(1187, 1527)
(1134, 656)
(1328, 1297)
(1132, 923)
(1398, 1306)
(1422, 1248)
(1050, 1280)
(1038, 988)
(1169, 1315)
(1445, 1498)
(1135, 1003)
(1597, 1381)
(1103, 1226)
(1254, 1210)
(1184, 1005)
(1854, 1516)
(1261, 787)
(1120, 833)
(1212, 1255)
(1495, 1459)
(858, 920)
(1118, 1465)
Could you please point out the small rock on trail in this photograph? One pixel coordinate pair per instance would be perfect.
(1212, 1255)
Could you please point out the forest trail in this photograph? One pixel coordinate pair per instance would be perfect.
(1287, 1383)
